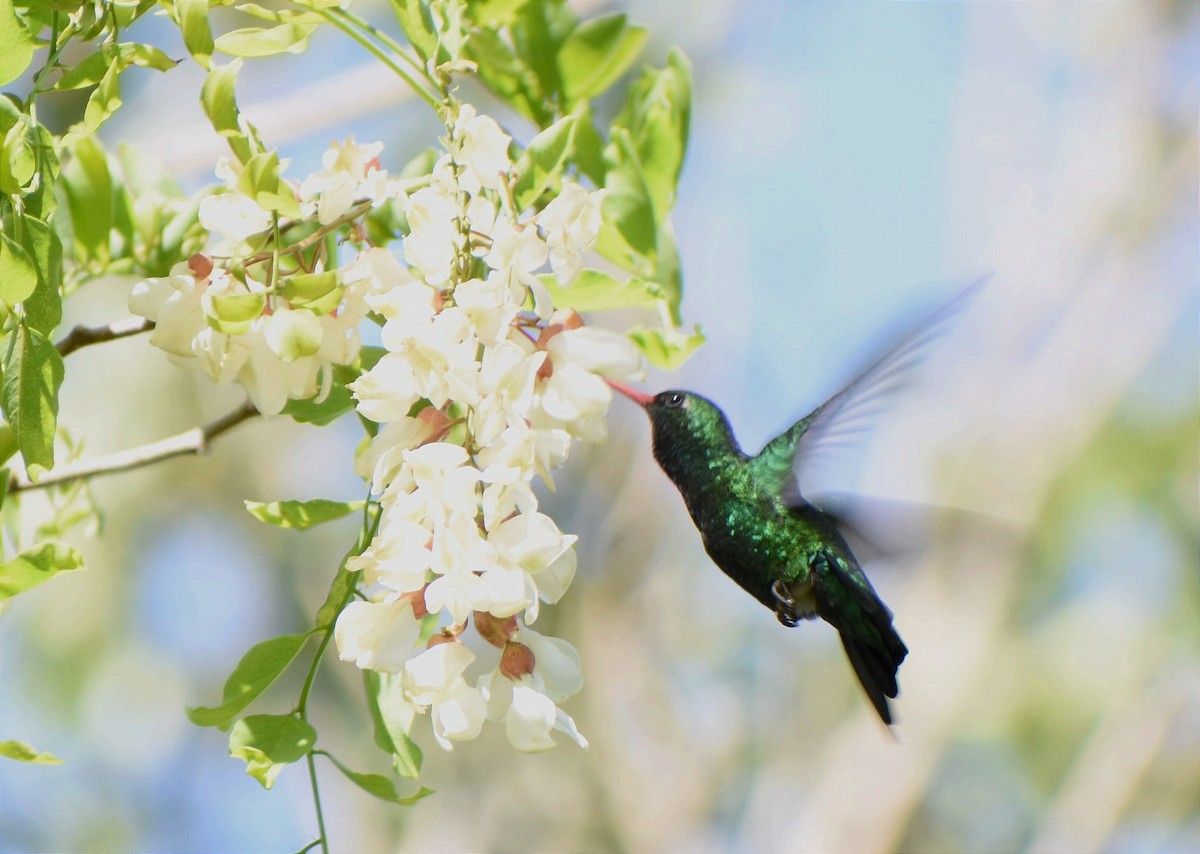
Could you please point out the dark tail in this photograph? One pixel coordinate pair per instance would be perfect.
(876, 666)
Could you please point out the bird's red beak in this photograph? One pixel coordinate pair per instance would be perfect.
(639, 397)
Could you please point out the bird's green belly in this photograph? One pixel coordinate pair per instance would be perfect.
(755, 550)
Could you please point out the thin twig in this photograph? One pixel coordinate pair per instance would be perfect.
(194, 441)
(82, 336)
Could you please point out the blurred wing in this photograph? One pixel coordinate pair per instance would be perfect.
(845, 419)
(894, 530)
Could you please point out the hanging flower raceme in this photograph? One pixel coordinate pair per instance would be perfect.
(481, 391)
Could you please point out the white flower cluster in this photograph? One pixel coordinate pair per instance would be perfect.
(481, 390)
(278, 340)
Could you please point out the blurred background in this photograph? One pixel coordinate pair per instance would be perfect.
(850, 167)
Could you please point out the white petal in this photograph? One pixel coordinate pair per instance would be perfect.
(529, 720)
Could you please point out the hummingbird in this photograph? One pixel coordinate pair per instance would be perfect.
(787, 552)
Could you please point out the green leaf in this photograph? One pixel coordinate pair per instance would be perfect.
(336, 404)
(596, 53)
(192, 17)
(102, 103)
(89, 190)
(281, 16)
(181, 236)
(657, 114)
(629, 233)
(587, 146)
(91, 70)
(33, 373)
(667, 349)
(43, 308)
(417, 24)
(259, 667)
(393, 717)
(494, 14)
(16, 44)
(41, 200)
(269, 742)
(18, 163)
(538, 33)
(18, 275)
(265, 41)
(301, 514)
(22, 752)
(261, 181)
(220, 104)
(503, 72)
(37, 565)
(596, 291)
(542, 162)
(339, 590)
(379, 785)
(8, 447)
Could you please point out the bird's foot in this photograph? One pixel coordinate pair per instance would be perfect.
(785, 605)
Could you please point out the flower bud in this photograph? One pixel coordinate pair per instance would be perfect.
(516, 661)
(201, 266)
(495, 630)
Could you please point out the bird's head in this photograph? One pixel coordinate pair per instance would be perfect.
(689, 430)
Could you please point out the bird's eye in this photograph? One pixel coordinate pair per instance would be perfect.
(675, 400)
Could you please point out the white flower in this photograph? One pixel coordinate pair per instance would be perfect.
(350, 171)
(383, 454)
(529, 715)
(482, 149)
(409, 310)
(388, 391)
(459, 552)
(572, 222)
(444, 359)
(514, 255)
(558, 664)
(399, 556)
(577, 400)
(174, 304)
(233, 216)
(269, 381)
(529, 543)
(600, 351)
(507, 375)
(433, 243)
(445, 484)
(434, 679)
(489, 308)
(377, 635)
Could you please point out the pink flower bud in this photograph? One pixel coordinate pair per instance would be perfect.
(201, 266)
(495, 630)
(516, 661)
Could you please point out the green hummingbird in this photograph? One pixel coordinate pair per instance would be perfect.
(787, 552)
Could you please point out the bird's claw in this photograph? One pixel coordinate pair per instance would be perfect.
(785, 605)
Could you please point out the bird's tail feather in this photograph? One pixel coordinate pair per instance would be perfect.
(876, 666)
